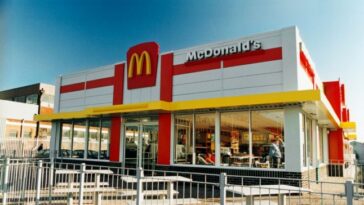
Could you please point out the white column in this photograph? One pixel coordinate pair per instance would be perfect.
(172, 135)
(54, 146)
(290, 54)
(122, 141)
(326, 145)
(57, 96)
(250, 138)
(315, 138)
(217, 139)
(293, 139)
(2, 129)
(193, 139)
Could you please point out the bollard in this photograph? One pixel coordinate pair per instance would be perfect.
(39, 181)
(349, 192)
(5, 180)
(82, 179)
(223, 182)
(139, 175)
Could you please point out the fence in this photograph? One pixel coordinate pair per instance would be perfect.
(29, 181)
(20, 148)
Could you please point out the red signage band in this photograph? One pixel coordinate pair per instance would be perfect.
(142, 64)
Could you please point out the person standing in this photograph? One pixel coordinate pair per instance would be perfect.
(275, 153)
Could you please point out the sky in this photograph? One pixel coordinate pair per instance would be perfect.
(42, 39)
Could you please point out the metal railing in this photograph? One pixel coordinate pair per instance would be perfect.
(29, 181)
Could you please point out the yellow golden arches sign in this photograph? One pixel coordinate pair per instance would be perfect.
(137, 61)
(142, 60)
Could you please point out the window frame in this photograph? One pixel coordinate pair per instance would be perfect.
(217, 137)
(86, 138)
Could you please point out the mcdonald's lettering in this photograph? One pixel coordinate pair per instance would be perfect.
(142, 61)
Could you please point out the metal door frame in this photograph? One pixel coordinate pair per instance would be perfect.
(140, 126)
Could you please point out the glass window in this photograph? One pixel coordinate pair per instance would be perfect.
(29, 130)
(32, 99)
(19, 99)
(73, 139)
(66, 140)
(79, 138)
(205, 138)
(105, 139)
(234, 139)
(13, 128)
(247, 139)
(47, 100)
(183, 139)
(268, 139)
(93, 139)
(45, 130)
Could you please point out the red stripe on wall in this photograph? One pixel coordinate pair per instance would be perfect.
(192, 67)
(88, 85)
(167, 77)
(307, 67)
(100, 83)
(115, 139)
(252, 57)
(164, 139)
(72, 87)
(118, 84)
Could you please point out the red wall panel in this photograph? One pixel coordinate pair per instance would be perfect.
(164, 139)
(333, 94)
(336, 146)
(166, 77)
(343, 94)
(115, 139)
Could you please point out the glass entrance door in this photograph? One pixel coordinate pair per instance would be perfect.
(150, 145)
(131, 136)
(140, 145)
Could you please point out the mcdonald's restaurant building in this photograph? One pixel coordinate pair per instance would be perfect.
(209, 108)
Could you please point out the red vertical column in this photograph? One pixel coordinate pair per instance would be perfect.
(115, 139)
(166, 77)
(164, 129)
(116, 121)
(118, 84)
(164, 138)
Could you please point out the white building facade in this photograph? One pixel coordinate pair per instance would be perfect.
(216, 107)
